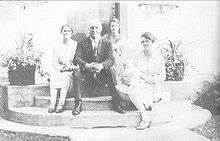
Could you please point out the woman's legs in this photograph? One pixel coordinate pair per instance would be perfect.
(138, 102)
(53, 98)
(63, 93)
(141, 100)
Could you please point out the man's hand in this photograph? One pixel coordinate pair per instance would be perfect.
(94, 66)
(89, 66)
(98, 67)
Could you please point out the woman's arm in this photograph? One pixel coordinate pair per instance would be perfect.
(160, 73)
(56, 63)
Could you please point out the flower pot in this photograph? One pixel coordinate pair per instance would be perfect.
(21, 75)
(175, 72)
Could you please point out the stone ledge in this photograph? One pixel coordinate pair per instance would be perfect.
(87, 119)
(190, 118)
(92, 103)
(179, 90)
(160, 133)
(25, 94)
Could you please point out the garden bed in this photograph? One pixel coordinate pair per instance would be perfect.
(209, 129)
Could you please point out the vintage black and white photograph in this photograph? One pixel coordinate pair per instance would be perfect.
(109, 70)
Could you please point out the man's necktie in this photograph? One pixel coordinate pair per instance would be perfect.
(95, 46)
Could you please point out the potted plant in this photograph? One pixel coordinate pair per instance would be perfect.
(23, 62)
(174, 62)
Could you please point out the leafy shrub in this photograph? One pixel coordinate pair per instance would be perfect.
(209, 96)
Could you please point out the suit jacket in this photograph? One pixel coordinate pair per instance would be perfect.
(85, 54)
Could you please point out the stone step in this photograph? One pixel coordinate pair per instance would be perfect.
(23, 96)
(87, 119)
(12, 131)
(190, 117)
(89, 103)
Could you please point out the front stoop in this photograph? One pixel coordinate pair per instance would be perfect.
(27, 114)
(87, 119)
(89, 103)
(61, 133)
(36, 116)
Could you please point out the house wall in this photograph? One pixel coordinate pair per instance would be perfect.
(196, 23)
(44, 19)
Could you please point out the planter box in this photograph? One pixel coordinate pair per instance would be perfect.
(22, 76)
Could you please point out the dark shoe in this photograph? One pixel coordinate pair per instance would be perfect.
(147, 108)
(119, 109)
(59, 110)
(158, 100)
(51, 110)
(143, 125)
(77, 108)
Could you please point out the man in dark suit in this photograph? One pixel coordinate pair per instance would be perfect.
(95, 57)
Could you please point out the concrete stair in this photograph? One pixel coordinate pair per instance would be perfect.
(162, 132)
(87, 119)
(89, 103)
(35, 116)
(29, 105)
(28, 109)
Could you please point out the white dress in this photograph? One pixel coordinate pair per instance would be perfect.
(144, 69)
(62, 55)
(149, 68)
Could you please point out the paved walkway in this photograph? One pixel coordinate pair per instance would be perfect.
(163, 132)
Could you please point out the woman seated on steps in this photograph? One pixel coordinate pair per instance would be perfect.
(141, 79)
(63, 71)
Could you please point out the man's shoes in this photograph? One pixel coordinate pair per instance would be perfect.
(51, 110)
(77, 108)
(143, 125)
(119, 109)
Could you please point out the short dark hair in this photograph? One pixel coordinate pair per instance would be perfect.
(148, 35)
(61, 30)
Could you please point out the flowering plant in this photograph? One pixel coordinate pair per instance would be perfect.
(23, 56)
(174, 61)
(23, 62)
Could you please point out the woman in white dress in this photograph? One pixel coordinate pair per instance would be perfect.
(142, 79)
(63, 70)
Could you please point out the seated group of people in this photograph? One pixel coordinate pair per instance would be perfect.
(101, 59)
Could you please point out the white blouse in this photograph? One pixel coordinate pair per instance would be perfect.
(151, 67)
(63, 54)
